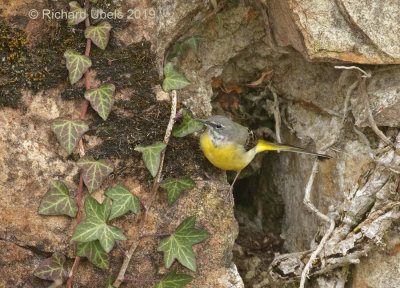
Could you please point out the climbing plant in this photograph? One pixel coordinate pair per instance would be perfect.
(94, 236)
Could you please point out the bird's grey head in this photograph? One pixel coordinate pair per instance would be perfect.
(223, 129)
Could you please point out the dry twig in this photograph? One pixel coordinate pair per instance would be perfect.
(371, 121)
(347, 99)
(364, 95)
(168, 132)
(142, 220)
(312, 208)
(277, 114)
(365, 74)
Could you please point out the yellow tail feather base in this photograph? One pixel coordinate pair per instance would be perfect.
(269, 146)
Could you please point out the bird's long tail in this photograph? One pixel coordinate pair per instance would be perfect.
(265, 145)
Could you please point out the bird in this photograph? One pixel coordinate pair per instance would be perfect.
(231, 146)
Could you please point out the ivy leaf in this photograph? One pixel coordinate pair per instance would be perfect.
(176, 186)
(77, 65)
(94, 252)
(94, 226)
(179, 244)
(69, 132)
(173, 280)
(94, 172)
(123, 201)
(194, 42)
(78, 13)
(177, 50)
(101, 99)
(152, 155)
(173, 79)
(99, 34)
(52, 268)
(57, 202)
(188, 126)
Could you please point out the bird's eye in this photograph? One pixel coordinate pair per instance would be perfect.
(218, 126)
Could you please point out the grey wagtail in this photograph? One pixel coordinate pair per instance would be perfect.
(231, 146)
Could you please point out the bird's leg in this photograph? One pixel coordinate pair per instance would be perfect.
(234, 180)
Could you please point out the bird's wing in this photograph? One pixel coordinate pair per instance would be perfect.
(241, 135)
(251, 140)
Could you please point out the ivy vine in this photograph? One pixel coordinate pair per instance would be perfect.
(94, 236)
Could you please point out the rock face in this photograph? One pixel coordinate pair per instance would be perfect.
(318, 105)
(362, 32)
(382, 275)
(31, 157)
(383, 91)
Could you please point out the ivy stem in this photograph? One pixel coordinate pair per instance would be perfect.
(120, 248)
(155, 235)
(81, 146)
(142, 219)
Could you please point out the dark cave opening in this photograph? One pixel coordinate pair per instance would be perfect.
(259, 210)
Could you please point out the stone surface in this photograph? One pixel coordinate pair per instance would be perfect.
(236, 47)
(353, 31)
(383, 93)
(379, 269)
(31, 158)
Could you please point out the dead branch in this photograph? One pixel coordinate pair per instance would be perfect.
(365, 74)
(172, 120)
(369, 210)
(312, 208)
(364, 95)
(287, 267)
(347, 99)
(371, 121)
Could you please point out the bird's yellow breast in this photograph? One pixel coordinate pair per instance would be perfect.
(226, 157)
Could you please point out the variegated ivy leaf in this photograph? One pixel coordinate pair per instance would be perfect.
(173, 280)
(101, 99)
(188, 126)
(94, 172)
(69, 132)
(57, 202)
(123, 201)
(94, 252)
(194, 42)
(179, 244)
(77, 65)
(52, 268)
(99, 34)
(94, 226)
(78, 13)
(173, 79)
(176, 186)
(152, 156)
